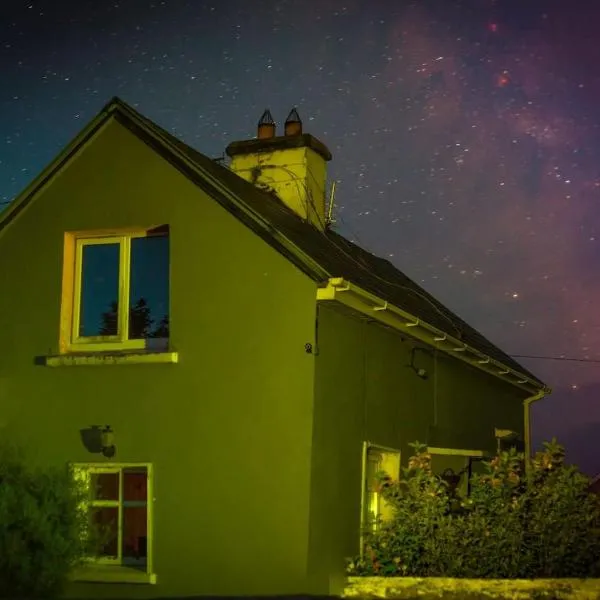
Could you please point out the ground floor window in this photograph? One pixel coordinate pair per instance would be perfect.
(377, 459)
(119, 507)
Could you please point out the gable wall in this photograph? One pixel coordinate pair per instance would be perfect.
(228, 429)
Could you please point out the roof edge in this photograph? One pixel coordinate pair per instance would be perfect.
(137, 124)
(345, 292)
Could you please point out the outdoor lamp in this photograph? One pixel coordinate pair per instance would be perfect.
(107, 442)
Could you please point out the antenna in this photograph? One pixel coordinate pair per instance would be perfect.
(330, 218)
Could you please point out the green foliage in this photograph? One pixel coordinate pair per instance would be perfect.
(516, 522)
(41, 527)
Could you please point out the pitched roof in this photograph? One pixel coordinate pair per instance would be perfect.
(320, 254)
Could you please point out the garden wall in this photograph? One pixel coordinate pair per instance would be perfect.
(427, 588)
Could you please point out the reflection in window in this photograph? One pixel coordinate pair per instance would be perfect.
(118, 512)
(99, 288)
(149, 288)
(123, 292)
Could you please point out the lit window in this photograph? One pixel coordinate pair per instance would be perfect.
(119, 291)
(120, 513)
(377, 460)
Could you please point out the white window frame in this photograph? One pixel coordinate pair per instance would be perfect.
(82, 473)
(120, 341)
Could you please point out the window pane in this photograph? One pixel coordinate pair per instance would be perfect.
(105, 486)
(149, 289)
(373, 467)
(135, 484)
(105, 523)
(372, 503)
(99, 290)
(135, 534)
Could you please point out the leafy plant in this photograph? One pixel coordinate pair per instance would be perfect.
(41, 527)
(539, 521)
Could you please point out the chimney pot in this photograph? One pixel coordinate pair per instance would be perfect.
(293, 124)
(266, 126)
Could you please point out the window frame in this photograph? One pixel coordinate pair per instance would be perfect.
(87, 469)
(75, 242)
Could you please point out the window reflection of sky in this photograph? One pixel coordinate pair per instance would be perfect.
(150, 274)
(99, 285)
(149, 280)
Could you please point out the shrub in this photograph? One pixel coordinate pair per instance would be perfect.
(41, 527)
(539, 522)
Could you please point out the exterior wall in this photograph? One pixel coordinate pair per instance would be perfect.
(228, 429)
(469, 404)
(366, 391)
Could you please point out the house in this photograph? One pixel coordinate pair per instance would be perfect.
(223, 368)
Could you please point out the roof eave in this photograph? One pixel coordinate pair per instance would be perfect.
(343, 291)
(229, 200)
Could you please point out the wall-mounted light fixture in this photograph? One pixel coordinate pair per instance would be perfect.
(108, 442)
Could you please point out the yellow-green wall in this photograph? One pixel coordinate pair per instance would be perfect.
(256, 444)
(366, 391)
(228, 429)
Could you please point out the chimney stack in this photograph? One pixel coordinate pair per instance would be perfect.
(293, 166)
(266, 126)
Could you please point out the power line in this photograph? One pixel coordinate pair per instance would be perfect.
(559, 358)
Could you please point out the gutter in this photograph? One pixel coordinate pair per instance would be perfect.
(346, 293)
(527, 419)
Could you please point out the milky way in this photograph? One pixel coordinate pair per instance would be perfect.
(465, 139)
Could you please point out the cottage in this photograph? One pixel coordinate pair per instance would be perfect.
(224, 369)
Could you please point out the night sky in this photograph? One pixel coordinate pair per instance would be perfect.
(465, 136)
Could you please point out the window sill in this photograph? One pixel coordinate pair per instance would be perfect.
(93, 359)
(112, 574)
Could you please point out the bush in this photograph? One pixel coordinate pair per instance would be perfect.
(516, 523)
(41, 527)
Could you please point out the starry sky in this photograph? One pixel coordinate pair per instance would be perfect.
(465, 135)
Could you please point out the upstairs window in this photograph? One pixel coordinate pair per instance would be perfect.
(119, 291)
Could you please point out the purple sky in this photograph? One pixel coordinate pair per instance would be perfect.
(465, 137)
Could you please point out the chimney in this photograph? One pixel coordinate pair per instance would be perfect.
(293, 165)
